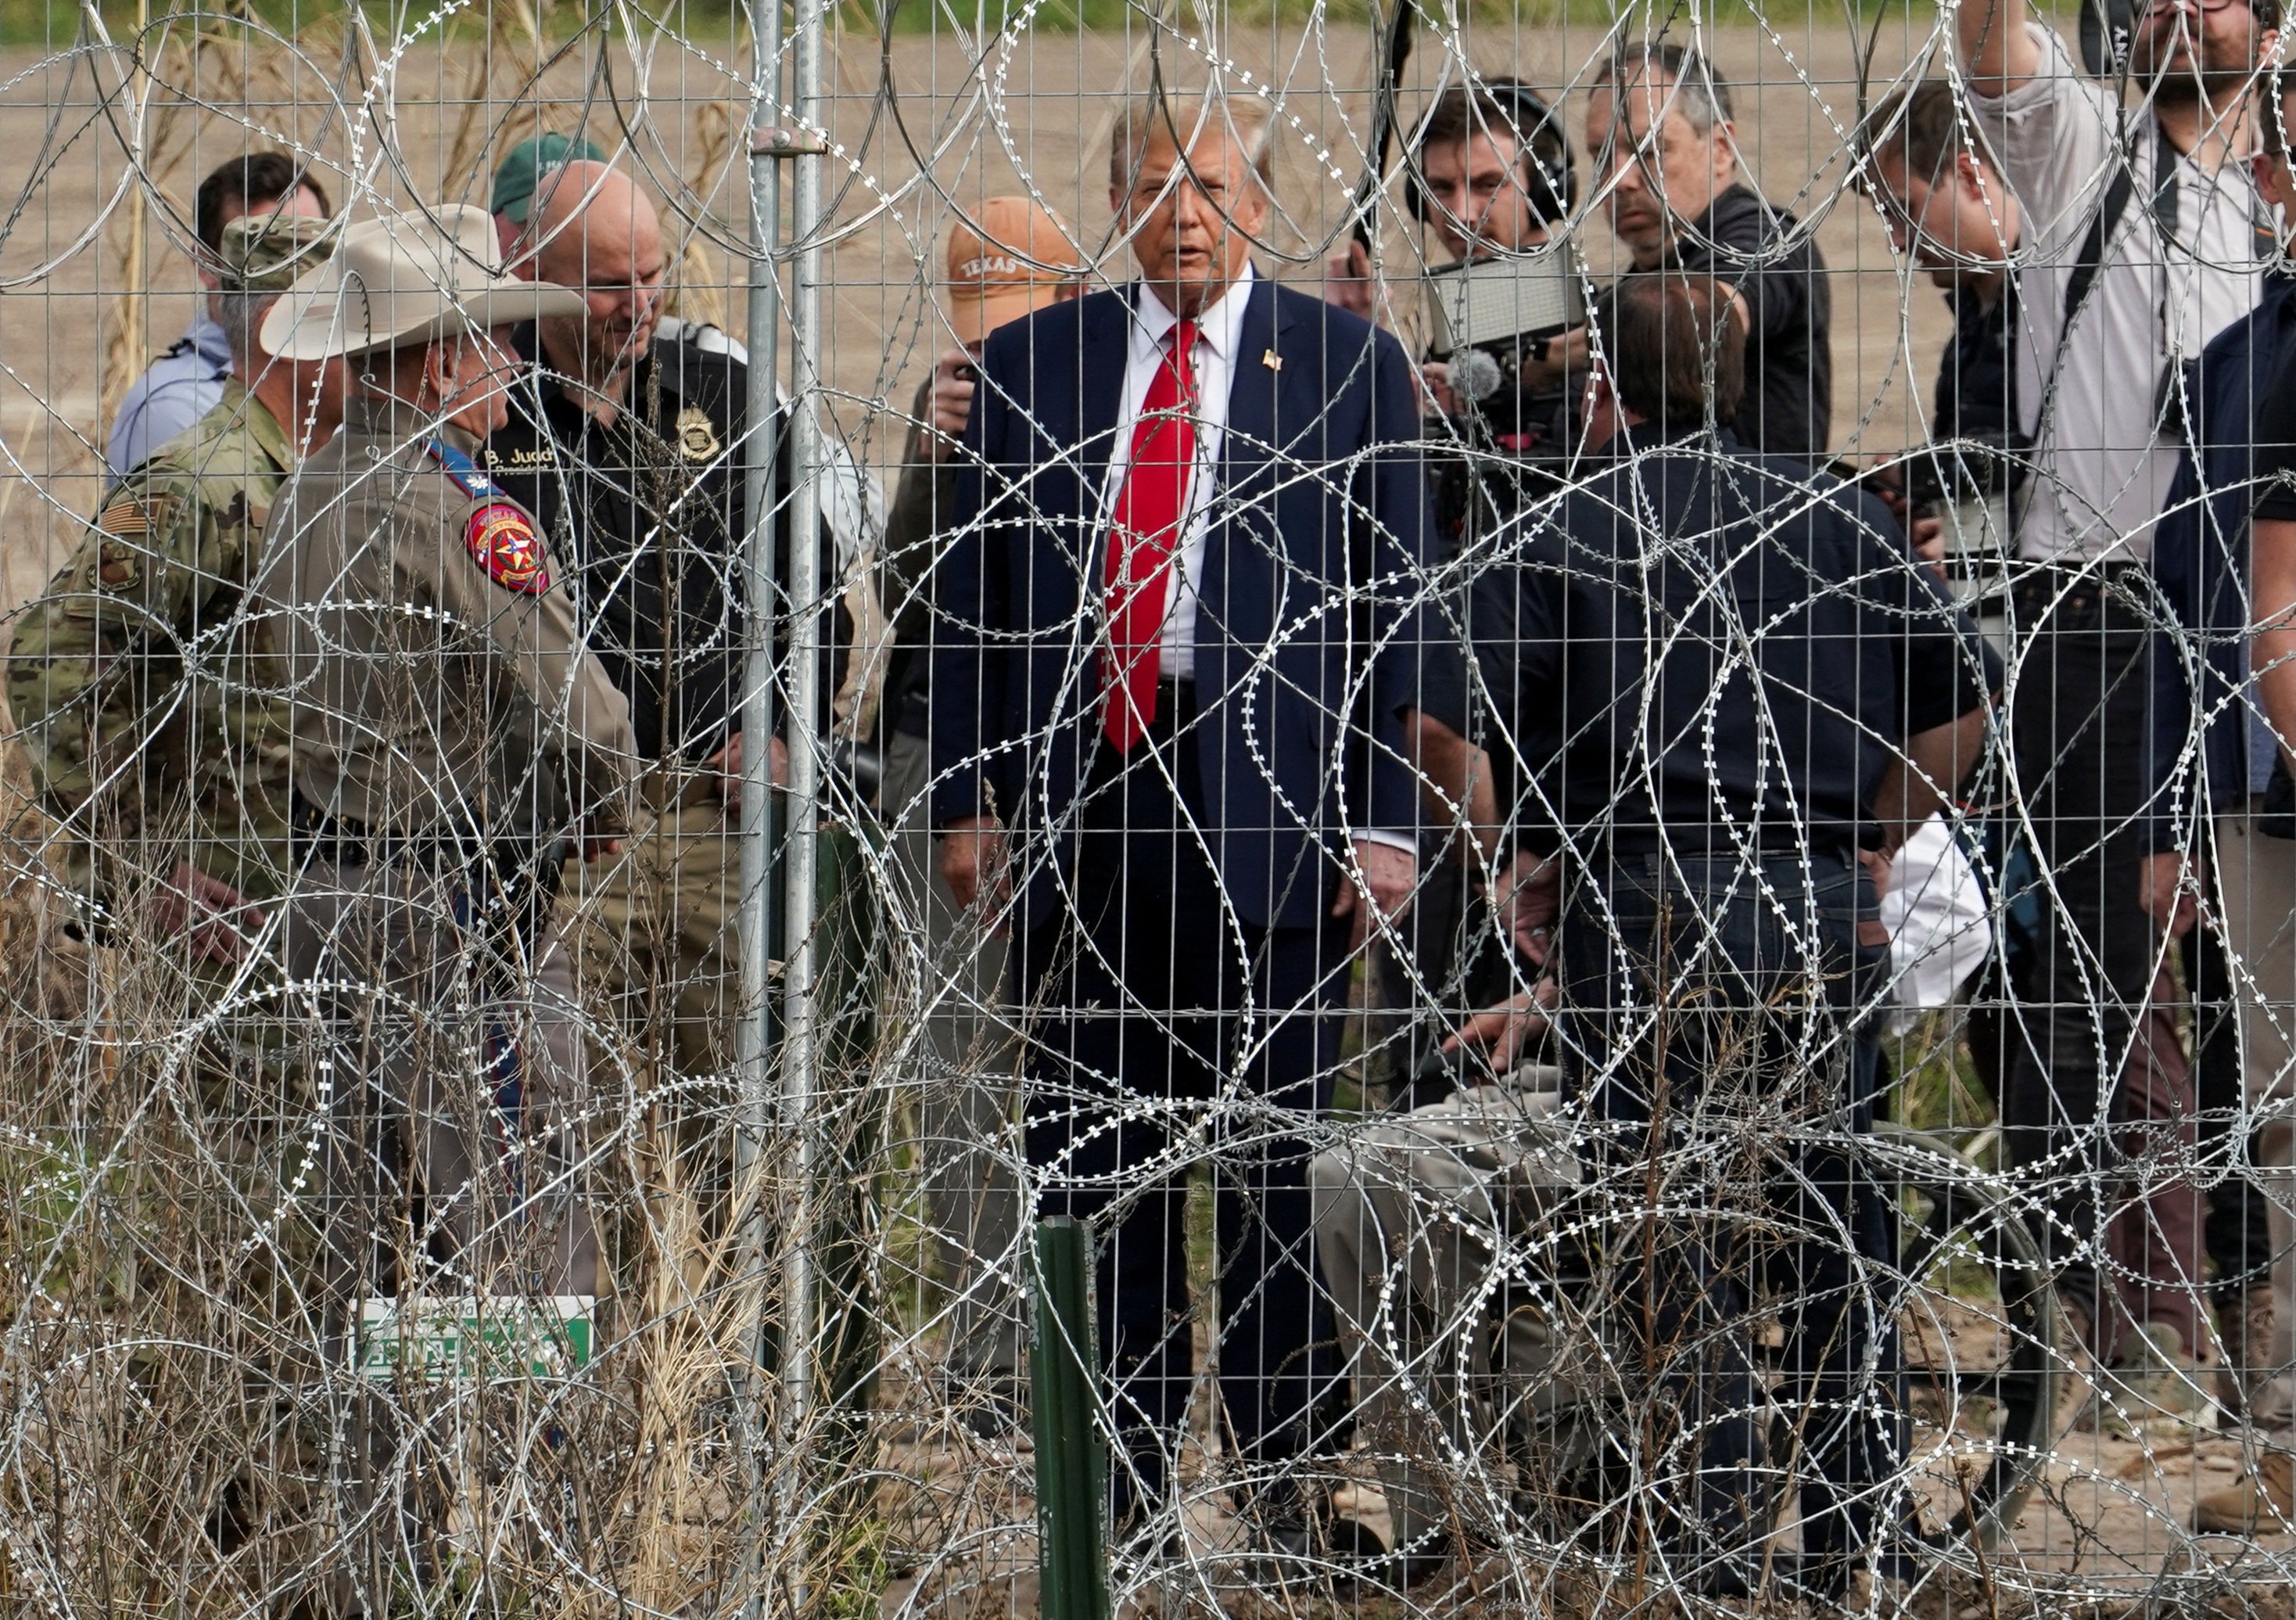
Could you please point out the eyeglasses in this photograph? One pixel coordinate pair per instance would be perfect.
(2151, 7)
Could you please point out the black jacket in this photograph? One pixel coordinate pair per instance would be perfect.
(1745, 664)
(2242, 396)
(652, 515)
(1777, 269)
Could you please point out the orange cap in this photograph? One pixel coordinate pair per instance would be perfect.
(993, 274)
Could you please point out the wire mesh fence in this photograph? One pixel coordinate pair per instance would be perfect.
(1631, 874)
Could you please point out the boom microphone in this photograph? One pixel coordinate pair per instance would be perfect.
(1475, 375)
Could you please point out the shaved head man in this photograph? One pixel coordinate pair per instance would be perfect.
(594, 230)
(629, 437)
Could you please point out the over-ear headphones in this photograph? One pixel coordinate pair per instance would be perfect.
(1549, 178)
(2106, 28)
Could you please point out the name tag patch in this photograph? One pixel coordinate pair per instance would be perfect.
(505, 544)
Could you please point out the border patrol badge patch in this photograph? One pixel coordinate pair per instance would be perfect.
(696, 436)
(504, 543)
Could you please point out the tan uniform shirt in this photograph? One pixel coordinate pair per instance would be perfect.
(439, 684)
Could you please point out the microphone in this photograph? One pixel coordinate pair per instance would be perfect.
(1475, 375)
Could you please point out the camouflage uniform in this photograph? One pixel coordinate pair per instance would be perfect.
(449, 729)
(136, 679)
(447, 722)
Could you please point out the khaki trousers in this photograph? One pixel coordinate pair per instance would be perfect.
(448, 1059)
(1410, 1215)
(652, 931)
(454, 1063)
(964, 1069)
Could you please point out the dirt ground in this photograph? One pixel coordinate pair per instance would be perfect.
(2104, 1534)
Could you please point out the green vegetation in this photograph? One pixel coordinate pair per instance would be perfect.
(1937, 1086)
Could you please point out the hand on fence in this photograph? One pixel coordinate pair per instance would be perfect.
(1505, 1028)
(972, 864)
(728, 763)
(1530, 900)
(2168, 899)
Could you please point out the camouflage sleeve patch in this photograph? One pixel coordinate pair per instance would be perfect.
(504, 543)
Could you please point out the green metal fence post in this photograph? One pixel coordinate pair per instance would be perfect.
(1071, 1457)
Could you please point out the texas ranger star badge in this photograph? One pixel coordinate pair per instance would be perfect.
(505, 544)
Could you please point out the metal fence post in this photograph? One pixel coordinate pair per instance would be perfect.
(798, 1050)
(1071, 1456)
(754, 1048)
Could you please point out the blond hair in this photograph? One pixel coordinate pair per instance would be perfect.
(1182, 115)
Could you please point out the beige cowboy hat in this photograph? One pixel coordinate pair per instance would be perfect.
(390, 282)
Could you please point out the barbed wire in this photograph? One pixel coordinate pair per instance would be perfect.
(1692, 1202)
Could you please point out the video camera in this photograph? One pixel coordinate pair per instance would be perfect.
(1487, 318)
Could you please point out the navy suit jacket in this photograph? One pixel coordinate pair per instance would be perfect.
(2200, 672)
(1310, 632)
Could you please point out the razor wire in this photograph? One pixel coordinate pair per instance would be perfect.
(392, 1258)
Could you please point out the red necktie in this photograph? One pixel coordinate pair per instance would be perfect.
(1143, 541)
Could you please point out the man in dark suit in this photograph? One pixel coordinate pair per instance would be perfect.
(1177, 644)
(1724, 694)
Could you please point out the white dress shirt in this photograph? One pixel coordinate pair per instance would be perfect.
(2104, 464)
(1220, 333)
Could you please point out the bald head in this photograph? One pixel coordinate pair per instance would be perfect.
(594, 230)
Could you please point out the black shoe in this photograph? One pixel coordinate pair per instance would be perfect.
(1317, 1547)
(995, 1414)
(1134, 1537)
(1369, 1561)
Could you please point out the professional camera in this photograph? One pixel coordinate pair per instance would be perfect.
(1489, 320)
(1976, 465)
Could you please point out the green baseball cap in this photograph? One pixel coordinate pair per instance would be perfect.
(524, 165)
(265, 253)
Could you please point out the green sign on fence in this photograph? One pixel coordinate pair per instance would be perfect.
(474, 1339)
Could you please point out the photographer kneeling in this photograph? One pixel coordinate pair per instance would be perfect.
(1727, 691)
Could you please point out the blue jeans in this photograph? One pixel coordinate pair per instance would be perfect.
(1718, 1019)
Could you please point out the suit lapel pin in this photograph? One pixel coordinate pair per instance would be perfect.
(1272, 360)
